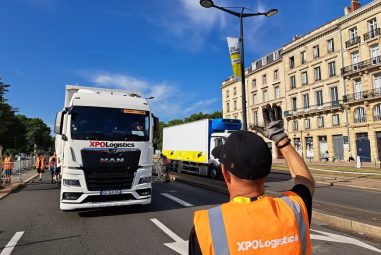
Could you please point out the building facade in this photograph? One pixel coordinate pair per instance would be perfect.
(328, 83)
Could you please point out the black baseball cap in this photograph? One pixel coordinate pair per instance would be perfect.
(245, 155)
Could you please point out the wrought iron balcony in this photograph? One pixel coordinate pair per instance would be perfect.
(313, 109)
(377, 117)
(361, 66)
(372, 34)
(362, 96)
(353, 41)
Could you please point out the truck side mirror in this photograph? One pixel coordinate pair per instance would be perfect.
(156, 127)
(58, 123)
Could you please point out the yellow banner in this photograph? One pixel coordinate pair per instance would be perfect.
(235, 56)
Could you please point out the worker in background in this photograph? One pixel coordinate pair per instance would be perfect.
(8, 167)
(252, 222)
(40, 165)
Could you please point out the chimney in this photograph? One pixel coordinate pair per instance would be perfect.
(355, 4)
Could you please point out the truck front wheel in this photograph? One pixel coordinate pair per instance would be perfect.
(213, 172)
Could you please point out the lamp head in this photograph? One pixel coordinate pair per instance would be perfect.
(206, 3)
(271, 12)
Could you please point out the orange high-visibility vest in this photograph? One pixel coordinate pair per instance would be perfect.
(265, 226)
(8, 165)
(42, 166)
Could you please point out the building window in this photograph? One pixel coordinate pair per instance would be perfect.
(334, 96)
(360, 116)
(227, 93)
(295, 125)
(353, 33)
(377, 112)
(304, 78)
(306, 102)
(264, 79)
(235, 91)
(255, 115)
(293, 82)
(235, 105)
(254, 83)
(276, 74)
(317, 73)
(374, 54)
(355, 59)
(255, 101)
(316, 51)
(277, 92)
(265, 97)
(377, 84)
(303, 57)
(372, 27)
(320, 121)
(227, 107)
(292, 62)
(264, 61)
(332, 69)
(319, 98)
(335, 120)
(293, 104)
(276, 55)
(357, 88)
(307, 124)
(330, 46)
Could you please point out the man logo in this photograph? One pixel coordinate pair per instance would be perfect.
(111, 160)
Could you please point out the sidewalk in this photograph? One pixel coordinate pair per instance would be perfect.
(337, 163)
(26, 176)
(354, 219)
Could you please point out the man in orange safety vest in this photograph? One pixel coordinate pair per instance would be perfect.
(252, 222)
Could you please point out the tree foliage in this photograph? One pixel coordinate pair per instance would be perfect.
(191, 118)
(19, 133)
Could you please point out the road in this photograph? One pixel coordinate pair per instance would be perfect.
(34, 211)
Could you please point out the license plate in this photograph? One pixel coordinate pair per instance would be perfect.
(110, 192)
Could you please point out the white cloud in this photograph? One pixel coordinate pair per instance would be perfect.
(191, 25)
(168, 103)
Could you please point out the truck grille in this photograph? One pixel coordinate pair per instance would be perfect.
(111, 175)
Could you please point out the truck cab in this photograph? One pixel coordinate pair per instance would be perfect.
(104, 143)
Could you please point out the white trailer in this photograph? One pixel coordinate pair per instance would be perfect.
(104, 144)
(189, 145)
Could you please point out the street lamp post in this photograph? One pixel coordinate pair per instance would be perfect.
(240, 15)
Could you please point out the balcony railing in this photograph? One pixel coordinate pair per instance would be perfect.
(372, 34)
(361, 119)
(361, 66)
(312, 109)
(353, 41)
(363, 95)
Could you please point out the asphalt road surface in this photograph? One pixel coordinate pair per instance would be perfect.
(32, 223)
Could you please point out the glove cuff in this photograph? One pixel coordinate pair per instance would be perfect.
(276, 138)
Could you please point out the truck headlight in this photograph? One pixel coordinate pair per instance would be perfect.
(70, 182)
(145, 180)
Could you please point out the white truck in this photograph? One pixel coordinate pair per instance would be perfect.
(189, 145)
(104, 146)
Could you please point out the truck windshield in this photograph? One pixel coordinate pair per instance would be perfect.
(109, 124)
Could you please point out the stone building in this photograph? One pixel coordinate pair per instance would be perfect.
(328, 83)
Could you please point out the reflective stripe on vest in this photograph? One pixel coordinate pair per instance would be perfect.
(217, 227)
(219, 237)
(299, 219)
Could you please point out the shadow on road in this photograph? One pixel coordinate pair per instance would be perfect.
(45, 241)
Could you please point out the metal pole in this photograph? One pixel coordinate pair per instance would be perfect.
(244, 119)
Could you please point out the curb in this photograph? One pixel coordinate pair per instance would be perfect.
(6, 192)
(336, 221)
(338, 184)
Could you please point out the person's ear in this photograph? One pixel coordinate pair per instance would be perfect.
(225, 174)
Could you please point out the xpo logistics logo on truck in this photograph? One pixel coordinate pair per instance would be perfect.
(111, 145)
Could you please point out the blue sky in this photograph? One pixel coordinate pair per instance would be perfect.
(174, 50)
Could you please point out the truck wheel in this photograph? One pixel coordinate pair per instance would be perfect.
(213, 172)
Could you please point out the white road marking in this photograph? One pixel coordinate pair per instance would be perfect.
(180, 246)
(178, 200)
(12, 243)
(341, 239)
